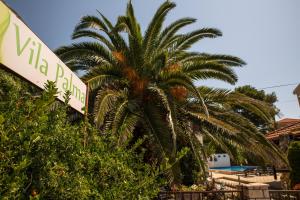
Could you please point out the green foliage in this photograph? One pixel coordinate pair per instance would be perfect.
(227, 129)
(260, 95)
(43, 157)
(257, 94)
(189, 169)
(143, 84)
(294, 160)
(140, 81)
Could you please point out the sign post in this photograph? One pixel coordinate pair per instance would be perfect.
(86, 116)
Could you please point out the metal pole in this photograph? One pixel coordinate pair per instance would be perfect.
(274, 172)
(87, 98)
(86, 115)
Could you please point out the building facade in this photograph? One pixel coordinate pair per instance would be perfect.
(287, 130)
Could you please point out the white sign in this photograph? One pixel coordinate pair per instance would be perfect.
(24, 53)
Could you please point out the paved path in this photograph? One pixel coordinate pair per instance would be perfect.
(234, 179)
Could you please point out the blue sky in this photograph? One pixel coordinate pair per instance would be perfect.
(264, 33)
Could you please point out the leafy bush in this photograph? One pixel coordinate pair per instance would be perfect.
(294, 160)
(43, 157)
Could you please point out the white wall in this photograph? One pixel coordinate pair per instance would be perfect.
(219, 160)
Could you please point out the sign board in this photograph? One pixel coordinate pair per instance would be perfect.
(24, 53)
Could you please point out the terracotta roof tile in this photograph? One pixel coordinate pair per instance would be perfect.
(293, 129)
(288, 120)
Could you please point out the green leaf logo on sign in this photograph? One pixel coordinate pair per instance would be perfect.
(4, 23)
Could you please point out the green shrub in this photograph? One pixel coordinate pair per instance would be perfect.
(294, 160)
(43, 157)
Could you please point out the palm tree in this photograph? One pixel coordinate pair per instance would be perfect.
(144, 83)
(228, 128)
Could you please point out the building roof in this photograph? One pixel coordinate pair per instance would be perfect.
(286, 122)
(287, 126)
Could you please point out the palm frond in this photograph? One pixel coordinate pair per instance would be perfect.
(216, 123)
(104, 103)
(105, 74)
(91, 50)
(160, 94)
(127, 126)
(90, 22)
(119, 115)
(180, 79)
(106, 21)
(160, 131)
(155, 26)
(215, 58)
(187, 40)
(168, 33)
(94, 35)
(202, 71)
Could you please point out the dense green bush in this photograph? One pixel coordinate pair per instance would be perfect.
(43, 157)
(294, 160)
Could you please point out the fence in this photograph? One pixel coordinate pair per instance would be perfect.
(285, 194)
(204, 195)
(232, 195)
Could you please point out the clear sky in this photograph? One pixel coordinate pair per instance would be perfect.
(265, 33)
